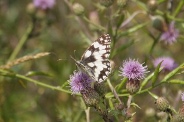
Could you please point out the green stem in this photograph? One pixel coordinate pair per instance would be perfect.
(114, 91)
(176, 81)
(42, 84)
(154, 44)
(120, 86)
(165, 80)
(5, 73)
(78, 116)
(87, 111)
(178, 8)
(98, 26)
(21, 42)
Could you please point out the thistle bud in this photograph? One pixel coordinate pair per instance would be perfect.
(132, 86)
(31, 9)
(100, 88)
(78, 9)
(106, 3)
(90, 97)
(178, 118)
(152, 5)
(159, 23)
(162, 104)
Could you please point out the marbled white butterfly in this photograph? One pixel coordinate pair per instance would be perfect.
(95, 60)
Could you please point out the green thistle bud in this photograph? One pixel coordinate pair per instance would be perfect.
(152, 5)
(100, 88)
(159, 23)
(132, 86)
(162, 104)
(78, 9)
(90, 97)
(106, 3)
(31, 9)
(178, 118)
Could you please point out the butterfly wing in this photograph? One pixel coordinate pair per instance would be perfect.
(96, 58)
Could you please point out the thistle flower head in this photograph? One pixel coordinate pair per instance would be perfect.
(44, 4)
(79, 81)
(133, 70)
(168, 64)
(170, 35)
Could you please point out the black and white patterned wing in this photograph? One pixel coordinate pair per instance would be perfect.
(96, 58)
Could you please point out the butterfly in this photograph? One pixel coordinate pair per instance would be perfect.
(95, 60)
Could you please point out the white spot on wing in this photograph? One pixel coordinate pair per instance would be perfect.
(97, 56)
(102, 47)
(87, 54)
(96, 45)
(101, 39)
(102, 52)
(100, 80)
(106, 55)
(107, 72)
(91, 64)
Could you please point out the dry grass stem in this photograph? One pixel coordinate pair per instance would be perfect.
(24, 59)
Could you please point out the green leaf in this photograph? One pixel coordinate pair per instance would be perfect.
(171, 74)
(120, 86)
(156, 73)
(147, 79)
(123, 47)
(153, 95)
(131, 30)
(120, 20)
(135, 105)
(176, 81)
(141, 4)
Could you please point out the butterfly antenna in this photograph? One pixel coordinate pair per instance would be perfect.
(58, 59)
(73, 57)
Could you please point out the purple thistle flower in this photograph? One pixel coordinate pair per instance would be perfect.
(182, 96)
(133, 70)
(79, 81)
(168, 64)
(44, 4)
(170, 35)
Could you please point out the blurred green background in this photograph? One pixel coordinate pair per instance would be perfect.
(63, 33)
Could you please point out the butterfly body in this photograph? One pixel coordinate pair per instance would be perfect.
(95, 60)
